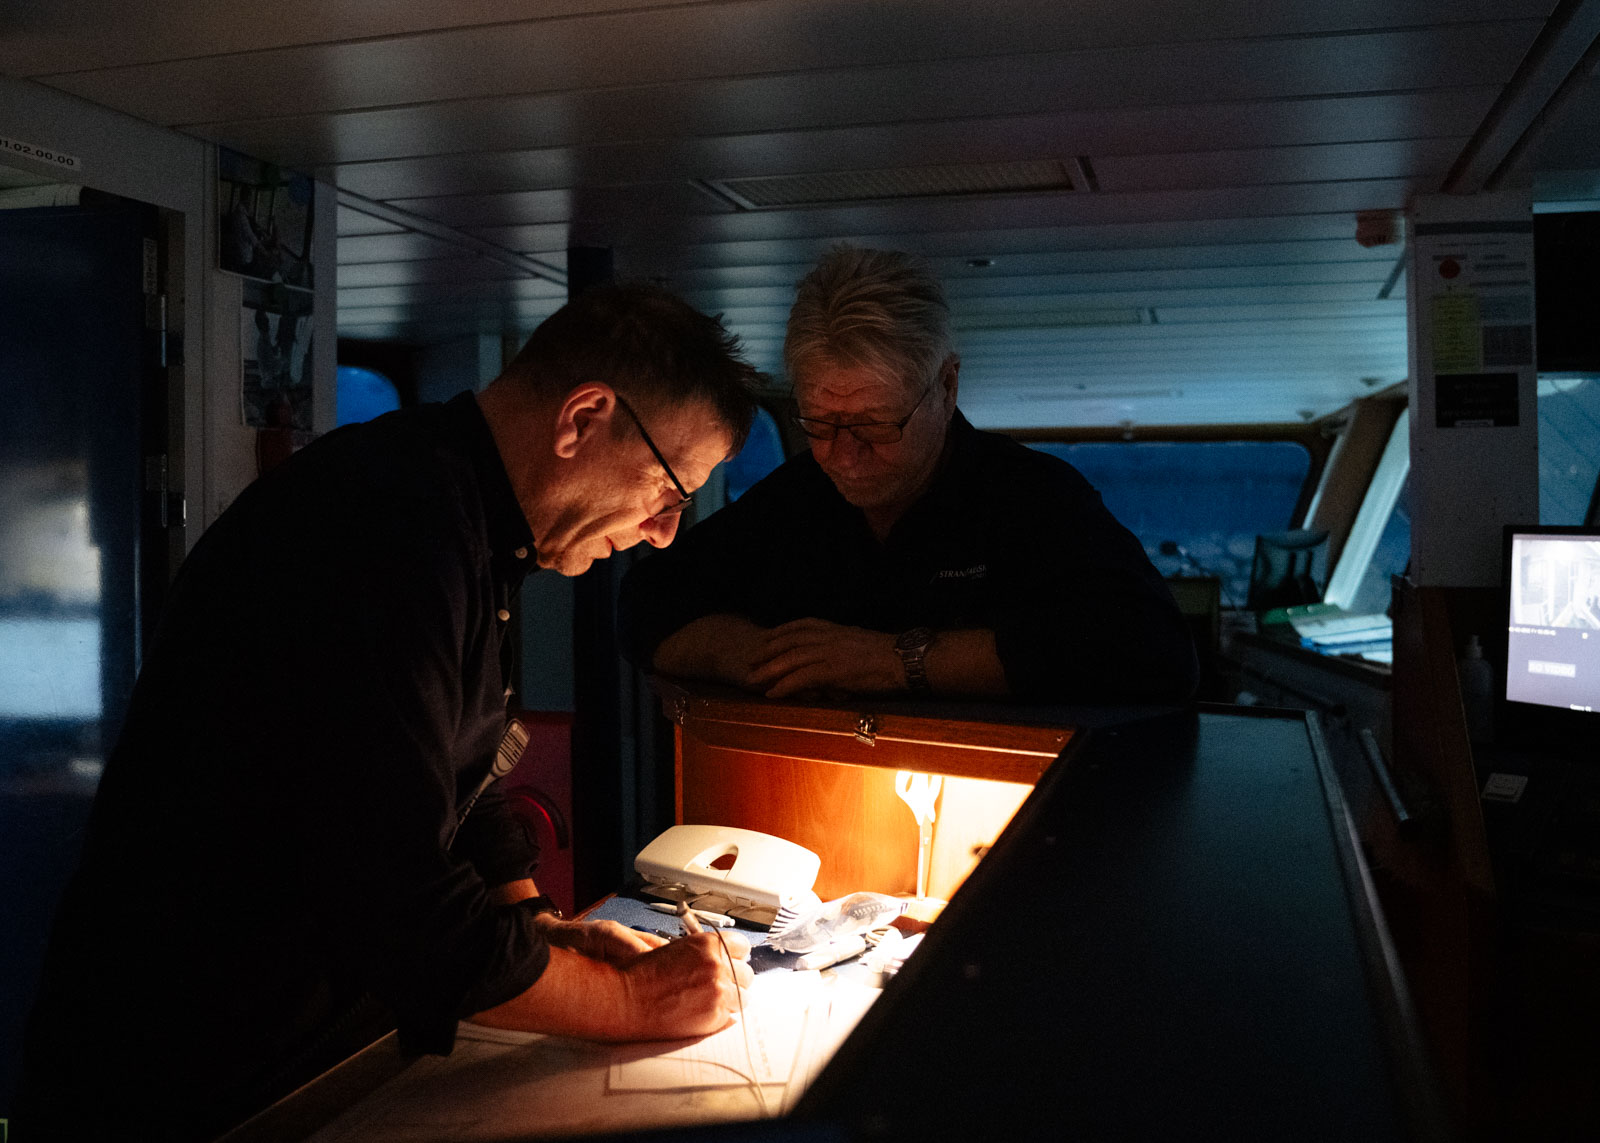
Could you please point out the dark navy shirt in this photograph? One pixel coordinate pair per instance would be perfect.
(1006, 538)
(269, 840)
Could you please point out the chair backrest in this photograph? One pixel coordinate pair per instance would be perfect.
(1290, 569)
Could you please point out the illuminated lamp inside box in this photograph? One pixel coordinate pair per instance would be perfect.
(824, 777)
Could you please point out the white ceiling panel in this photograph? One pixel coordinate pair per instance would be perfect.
(352, 223)
(1322, 162)
(1205, 270)
(1148, 240)
(1390, 119)
(422, 293)
(1204, 114)
(1170, 305)
(1295, 257)
(365, 275)
(74, 35)
(975, 212)
(403, 247)
(1029, 296)
(644, 204)
(758, 69)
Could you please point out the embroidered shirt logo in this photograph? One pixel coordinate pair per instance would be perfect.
(976, 571)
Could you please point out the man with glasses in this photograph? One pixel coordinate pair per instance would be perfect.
(295, 815)
(907, 551)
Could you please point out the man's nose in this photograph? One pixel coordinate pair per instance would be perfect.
(659, 530)
(844, 451)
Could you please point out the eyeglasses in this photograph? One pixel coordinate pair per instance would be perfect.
(688, 497)
(867, 432)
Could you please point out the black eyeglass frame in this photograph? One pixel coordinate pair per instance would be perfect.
(688, 497)
(830, 429)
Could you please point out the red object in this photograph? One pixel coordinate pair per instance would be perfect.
(1376, 228)
(539, 791)
(1449, 268)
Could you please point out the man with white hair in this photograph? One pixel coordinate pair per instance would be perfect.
(907, 551)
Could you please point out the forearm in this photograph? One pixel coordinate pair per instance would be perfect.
(686, 988)
(575, 996)
(719, 647)
(965, 663)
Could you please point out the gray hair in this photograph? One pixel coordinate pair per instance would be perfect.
(878, 309)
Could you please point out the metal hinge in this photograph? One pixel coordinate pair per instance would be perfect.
(171, 510)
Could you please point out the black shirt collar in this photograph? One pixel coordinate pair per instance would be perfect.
(508, 530)
(950, 481)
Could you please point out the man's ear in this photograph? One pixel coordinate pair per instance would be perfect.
(586, 410)
(951, 377)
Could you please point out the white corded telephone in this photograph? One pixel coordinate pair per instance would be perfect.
(724, 869)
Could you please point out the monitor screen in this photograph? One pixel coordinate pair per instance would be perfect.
(1553, 638)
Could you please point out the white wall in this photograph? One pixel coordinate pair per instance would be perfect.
(1469, 267)
(128, 157)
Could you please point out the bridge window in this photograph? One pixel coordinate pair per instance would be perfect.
(1569, 447)
(364, 394)
(762, 452)
(1209, 499)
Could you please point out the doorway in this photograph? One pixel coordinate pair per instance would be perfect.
(84, 554)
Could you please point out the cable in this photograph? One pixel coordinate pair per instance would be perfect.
(744, 1026)
(692, 925)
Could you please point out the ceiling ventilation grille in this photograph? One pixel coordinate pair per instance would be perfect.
(770, 192)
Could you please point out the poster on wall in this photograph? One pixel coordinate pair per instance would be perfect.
(275, 358)
(266, 217)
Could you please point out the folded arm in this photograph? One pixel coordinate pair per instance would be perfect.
(807, 655)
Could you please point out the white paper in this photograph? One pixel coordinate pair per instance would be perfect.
(759, 1049)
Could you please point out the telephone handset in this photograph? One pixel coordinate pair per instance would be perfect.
(725, 869)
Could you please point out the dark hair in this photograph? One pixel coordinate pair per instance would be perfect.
(650, 346)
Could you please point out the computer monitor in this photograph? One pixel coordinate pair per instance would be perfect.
(1552, 578)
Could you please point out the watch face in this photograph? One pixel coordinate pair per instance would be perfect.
(917, 639)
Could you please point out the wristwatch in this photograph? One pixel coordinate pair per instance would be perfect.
(542, 904)
(912, 647)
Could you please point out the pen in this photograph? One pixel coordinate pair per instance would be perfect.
(718, 919)
(686, 915)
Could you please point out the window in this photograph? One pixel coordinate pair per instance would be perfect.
(1569, 446)
(1360, 582)
(1389, 558)
(364, 395)
(1209, 498)
(762, 452)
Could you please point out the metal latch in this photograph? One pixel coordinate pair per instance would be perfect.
(867, 729)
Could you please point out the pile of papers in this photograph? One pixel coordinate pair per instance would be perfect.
(1369, 636)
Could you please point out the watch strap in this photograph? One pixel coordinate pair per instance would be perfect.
(912, 647)
(542, 904)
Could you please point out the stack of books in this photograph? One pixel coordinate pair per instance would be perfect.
(1332, 632)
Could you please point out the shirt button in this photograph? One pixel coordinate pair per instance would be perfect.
(521, 553)
(503, 614)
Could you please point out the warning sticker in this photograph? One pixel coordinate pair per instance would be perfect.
(1457, 337)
